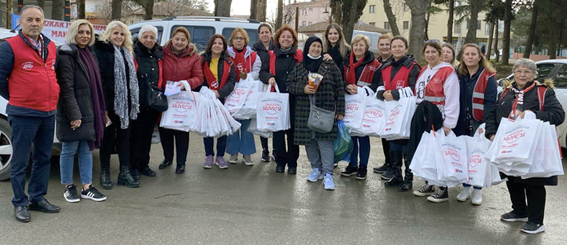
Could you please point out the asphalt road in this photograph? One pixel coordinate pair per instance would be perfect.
(255, 205)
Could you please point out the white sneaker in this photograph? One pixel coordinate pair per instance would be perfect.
(315, 175)
(248, 160)
(328, 182)
(476, 197)
(233, 159)
(464, 195)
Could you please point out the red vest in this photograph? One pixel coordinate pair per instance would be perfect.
(400, 79)
(210, 77)
(434, 89)
(248, 63)
(367, 74)
(33, 83)
(478, 94)
(298, 57)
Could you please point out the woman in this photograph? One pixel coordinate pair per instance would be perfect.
(384, 47)
(438, 83)
(180, 62)
(478, 94)
(335, 46)
(262, 47)
(220, 76)
(449, 55)
(361, 69)
(400, 73)
(121, 94)
(275, 69)
(247, 63)
(81, 112)
(532, 189)
(148, 58)
(329, 95)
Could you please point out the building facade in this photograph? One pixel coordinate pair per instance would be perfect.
(311, 12)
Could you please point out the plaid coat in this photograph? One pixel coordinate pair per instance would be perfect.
(330, 96)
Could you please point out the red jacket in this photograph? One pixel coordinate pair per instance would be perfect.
(33, 83)
(478, 94)
(185, 67)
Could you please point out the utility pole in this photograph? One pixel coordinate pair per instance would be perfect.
(9, 15)
(296, 15)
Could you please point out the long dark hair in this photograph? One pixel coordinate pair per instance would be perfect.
(212, 40)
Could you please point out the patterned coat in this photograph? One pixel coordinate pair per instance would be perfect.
(329, 95)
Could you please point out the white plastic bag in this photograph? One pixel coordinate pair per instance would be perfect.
(272, 111)
(355, 105)
(248, 109)
(454, 159)
(253, 128)
(236, 98)
(373, 118)
(182, 113)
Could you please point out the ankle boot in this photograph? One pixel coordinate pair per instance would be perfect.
(105, 179)
(125, 178)
(396, 157)
(408, 181)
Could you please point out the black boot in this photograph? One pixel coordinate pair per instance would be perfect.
(408, 181)
(397, 179)
(125, 178)
(105, 179)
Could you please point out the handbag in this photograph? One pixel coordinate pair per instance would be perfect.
(320, 120)
(156, 99)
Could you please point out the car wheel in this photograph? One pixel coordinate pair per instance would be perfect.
(5, 149)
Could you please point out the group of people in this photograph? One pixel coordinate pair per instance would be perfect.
(101, 93)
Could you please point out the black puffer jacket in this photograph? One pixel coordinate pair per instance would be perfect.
(148, 69)
(552, 112)
(75, 100)
(225, 90)
(105, 56)
(368, 57)
(262, 51)
(285, 62)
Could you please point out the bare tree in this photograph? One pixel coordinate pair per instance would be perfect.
(116, 10)
(347, 13)
(222, 8)
(531, 32)
(391, 18)
(506, 37)
(475, 7)
(81, 9)
(57, 9)
(450, 21)
(261, 10)
(497, 33)
(279, 18)
(253, 6)
(418, 11)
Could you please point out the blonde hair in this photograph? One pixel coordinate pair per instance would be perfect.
(344, 48)
(483, 61)
(73, 30)
(385, 36)
(359, 37)
(242, 32)
(127, 34)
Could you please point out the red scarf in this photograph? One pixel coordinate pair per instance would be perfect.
(211, 79)
(351, 75)
(240, 62)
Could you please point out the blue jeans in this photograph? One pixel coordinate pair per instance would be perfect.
(241, 141)
(221, 146)
(364, 144)
(25, 132)
(475, 187)
(396, 145)
(67, 160)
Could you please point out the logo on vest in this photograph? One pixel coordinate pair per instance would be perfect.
(215, 85)
(371, 67)
(399, 84)
(27, 66)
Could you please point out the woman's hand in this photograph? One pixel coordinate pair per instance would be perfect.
(340, 117)
(309, 90)
(243, 75)
(446, 130)
(352, 89)
(388, 95)
(327, 57)
(524, 113)
(492, 137)
(75, 124)
(181, 85)
(272, 81)
(217, 94)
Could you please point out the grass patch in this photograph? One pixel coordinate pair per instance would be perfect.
(502, 71)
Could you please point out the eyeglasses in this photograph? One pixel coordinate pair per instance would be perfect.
(238, 38)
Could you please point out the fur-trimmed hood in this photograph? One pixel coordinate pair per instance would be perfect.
(506, 84)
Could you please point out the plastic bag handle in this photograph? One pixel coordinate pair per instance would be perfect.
(369, 91)
(270, 88)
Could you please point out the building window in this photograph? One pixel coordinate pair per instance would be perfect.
(372, 23)
(304, 23)
(486, 29)
(457, 28)
(406, 25)
(406, 8)
(387, 25)
(372, 8)
(304, 12)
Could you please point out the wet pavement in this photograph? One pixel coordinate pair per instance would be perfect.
(255, 205)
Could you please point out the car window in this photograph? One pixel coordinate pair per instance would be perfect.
(135, 34)
(200, 35)
(561, 77)
(252, 35)
(543, 71)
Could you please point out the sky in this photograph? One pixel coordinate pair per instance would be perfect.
(242, 7)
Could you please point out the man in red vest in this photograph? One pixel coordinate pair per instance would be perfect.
(28, 82)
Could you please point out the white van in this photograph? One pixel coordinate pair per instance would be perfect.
(373, 36)
(201, 28)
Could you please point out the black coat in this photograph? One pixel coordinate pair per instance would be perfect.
(285, 62)
(330, 95)
(148, 69)
(75, 101)
(426, 115)
(225, 90)
(552, 113)
(105, 56)
(262, 51)
(368, 57)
